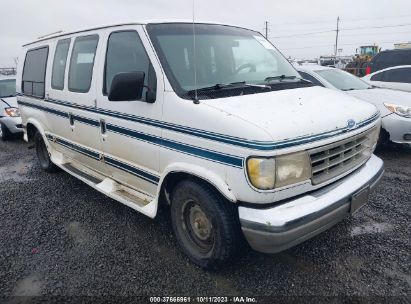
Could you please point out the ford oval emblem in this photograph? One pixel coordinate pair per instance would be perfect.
(351, 123)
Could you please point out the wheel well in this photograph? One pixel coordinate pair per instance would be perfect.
(173, 179)
(31, 130)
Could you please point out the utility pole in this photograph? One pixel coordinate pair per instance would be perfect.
(336, 37)
(266, 30)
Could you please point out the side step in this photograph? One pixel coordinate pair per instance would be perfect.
(124, 194)
(69, 167)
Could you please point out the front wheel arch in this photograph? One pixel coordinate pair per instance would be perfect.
(173, 178)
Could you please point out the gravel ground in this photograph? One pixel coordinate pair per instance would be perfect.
(59, 237)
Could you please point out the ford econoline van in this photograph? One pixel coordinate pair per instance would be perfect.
(208, 119)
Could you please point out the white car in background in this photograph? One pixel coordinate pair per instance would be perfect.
(395, 106)
(397, 78)
(10, 120)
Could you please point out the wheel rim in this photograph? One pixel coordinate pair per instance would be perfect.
(197, 226)
(1, 131)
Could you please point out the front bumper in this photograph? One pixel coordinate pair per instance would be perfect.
(13, 124)
(280, 227)
(398, 127)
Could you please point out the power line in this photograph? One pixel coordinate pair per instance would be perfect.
(327, 45)
(343, 29)
(329, 21)
(377, 27)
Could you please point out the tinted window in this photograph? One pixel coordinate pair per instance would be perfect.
(81, 63)
(310, 78)
(126, 53)
(398, 75)
(377, 77)
(392, 58)
(59, 64)
(34, 72)
(7, 87)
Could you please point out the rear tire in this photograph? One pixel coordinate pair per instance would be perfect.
(5, 134)
(43, 154)
(205, 225)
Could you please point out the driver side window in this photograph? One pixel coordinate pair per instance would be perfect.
(126, 53)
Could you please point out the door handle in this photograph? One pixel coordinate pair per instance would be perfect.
(103, 127)
(71, 119)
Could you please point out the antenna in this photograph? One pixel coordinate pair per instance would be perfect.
(196, 101)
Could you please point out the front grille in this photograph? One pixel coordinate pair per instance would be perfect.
(330, 161)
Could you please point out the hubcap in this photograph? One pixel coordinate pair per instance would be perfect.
(198, 227)
(200, 223)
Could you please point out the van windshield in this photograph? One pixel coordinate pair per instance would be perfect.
(7, 87)
(225, 57)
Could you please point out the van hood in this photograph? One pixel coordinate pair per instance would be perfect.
(5, 102)
(301, 112)
(378, 97)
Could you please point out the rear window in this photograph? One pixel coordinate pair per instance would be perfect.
(34, 72)
(391, 58)
(81, 63)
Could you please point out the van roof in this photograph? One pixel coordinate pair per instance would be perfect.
(145, 22)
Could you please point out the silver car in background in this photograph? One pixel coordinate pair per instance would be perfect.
(394, 105)
(10, 120)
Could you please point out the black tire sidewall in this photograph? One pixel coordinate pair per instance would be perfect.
(207, 200)
(5, 133)
(45, 162)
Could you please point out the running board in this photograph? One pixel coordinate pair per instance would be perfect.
(122, 193)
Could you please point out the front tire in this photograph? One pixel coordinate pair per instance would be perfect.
(43, 154)
(5, 134)
(205, 225)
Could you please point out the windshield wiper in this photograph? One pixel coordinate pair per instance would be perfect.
(350, 89)
(280, 78)
(232, 85)
(7, 96)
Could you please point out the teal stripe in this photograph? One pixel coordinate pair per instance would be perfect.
(108, 160)
(222, 138)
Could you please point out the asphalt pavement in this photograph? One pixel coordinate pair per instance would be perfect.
(59, 237)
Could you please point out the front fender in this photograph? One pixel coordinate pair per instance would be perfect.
(202, 173)
(37, 125)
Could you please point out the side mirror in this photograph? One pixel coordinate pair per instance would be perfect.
(127, 86)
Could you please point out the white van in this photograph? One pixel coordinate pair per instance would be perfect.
(228, 136)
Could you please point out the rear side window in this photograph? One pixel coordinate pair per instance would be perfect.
(398, 75)
(311, 78)
(34, 72)
(126, 53)
(81, 63)
(59, 64)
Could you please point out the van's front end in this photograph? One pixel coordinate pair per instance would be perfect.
(293, 157)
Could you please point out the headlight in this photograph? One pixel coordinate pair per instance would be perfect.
(270, 173)
(261, 172)
(12, 112)
(292, 169)
(403, 111)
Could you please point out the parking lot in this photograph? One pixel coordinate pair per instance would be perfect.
(60, 237)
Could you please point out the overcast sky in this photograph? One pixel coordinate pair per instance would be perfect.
(302, 29)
